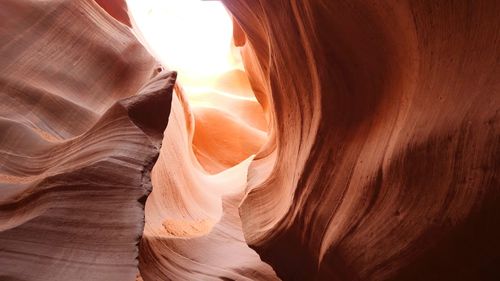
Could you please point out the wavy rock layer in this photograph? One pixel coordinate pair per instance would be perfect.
(193, 230)
(81, 126)
(380, 161)
(385, 157)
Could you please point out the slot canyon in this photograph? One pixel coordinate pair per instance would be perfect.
(343, 140)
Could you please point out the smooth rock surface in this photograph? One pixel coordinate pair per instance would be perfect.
(81, 125)
(370, 151)
(385, 157)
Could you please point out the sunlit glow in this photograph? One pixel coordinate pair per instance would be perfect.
(192, 37)
(225, 125)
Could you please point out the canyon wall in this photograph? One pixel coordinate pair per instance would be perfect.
(370, 151)
(385, 157)
(81, 125)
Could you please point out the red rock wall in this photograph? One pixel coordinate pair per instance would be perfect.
(381, 160)
(81, 125)
(385, 116)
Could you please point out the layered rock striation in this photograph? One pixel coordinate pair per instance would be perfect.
(385, 156)
(370, 150)
(81, 122)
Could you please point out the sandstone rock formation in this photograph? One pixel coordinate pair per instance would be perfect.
(385, 157)
(370, 151)
(81, 125)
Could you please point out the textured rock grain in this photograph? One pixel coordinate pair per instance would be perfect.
(375, 129)
(76, 149)
(385, 159)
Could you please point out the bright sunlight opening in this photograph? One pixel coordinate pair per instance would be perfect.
(192, 37)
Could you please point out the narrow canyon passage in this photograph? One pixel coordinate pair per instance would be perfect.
(157, 140)
(216, 127)
(229, 123)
